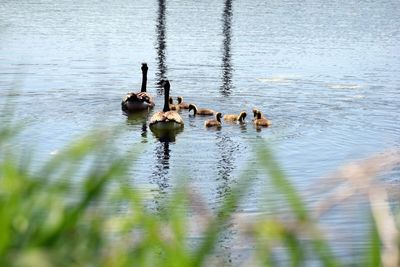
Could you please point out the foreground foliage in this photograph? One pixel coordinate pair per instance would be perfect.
(64, 213)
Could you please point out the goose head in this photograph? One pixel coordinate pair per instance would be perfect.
(192, 106)
(218, 116)
(242, 116)
(255, 111)
(259, 116)
(144, 67)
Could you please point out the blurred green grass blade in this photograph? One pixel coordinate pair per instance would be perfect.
(295, 249)
(94, 185)
(296, 204)
(7, 133)
(373, 252)
(280, 181)
(177, 214)
(324, 252)
(224, 213)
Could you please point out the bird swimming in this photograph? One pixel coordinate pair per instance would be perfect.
(141, 100)
(201, 111)
(215, 122)
(233, 117)
(182, 104)
(166, 119)
(261, 121)
(173, 106)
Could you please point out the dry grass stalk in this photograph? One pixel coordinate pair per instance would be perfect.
(359, 178)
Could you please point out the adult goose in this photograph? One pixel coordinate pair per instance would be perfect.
(141, 100)
(166, 119)
(214, 123)
(200, 111)
(233, 117)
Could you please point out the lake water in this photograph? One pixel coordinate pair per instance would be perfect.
(327, 74)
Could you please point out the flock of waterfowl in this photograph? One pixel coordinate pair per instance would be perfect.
(169, 118)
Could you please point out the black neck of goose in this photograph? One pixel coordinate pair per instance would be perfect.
(242, 116)
(192, 106)
(166, 96)
(144, 77)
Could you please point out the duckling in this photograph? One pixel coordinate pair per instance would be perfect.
(166, 119)
(138, 101)
(214, 123)
(201, 111)
(182, 104)
(261, 121)
(172, 106)
(255, 111)
(233, 117)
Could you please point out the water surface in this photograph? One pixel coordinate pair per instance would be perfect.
(325, 73)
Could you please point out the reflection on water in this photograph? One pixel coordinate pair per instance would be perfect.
(330, 89)
(227, 151)
(227, 67)
(136, 118)
(243, 126)
(166, 134)
(161, 44)
(160, 174)
(226, 163)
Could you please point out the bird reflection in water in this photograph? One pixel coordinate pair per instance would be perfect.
(227, 67)
(166, 135)
(226, 163)
(165, 126)
(228, 149)
(161, 44)
(160, 175)
(137, 118)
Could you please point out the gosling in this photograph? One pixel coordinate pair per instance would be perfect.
(233, 117)
(215, 122)
(201, 111)
(255, 111)
(172, 106)
(260, 121)
(182, 104)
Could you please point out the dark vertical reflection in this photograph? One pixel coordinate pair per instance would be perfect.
(137, 118)
(226, 147)
(161, 44)
(226, 163)
(144, 129)
(227, 68)
(228, 150)
(160, 174)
